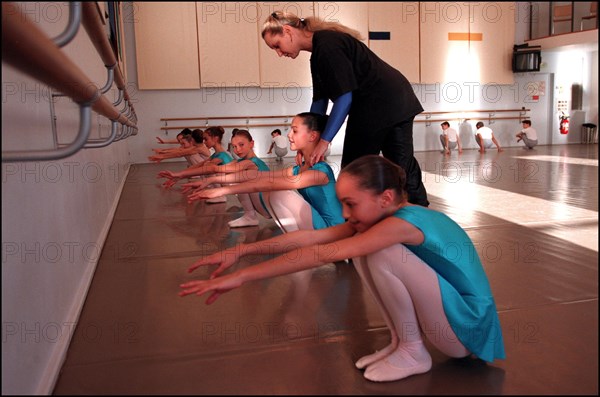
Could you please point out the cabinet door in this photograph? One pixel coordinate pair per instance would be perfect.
(353, 14)
(228, 44)
(401, 20)
(282, 72)
(495, 21)
(444, 43)
(166, 42)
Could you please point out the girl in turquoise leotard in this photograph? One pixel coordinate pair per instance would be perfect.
(420, 266)
(243, 146)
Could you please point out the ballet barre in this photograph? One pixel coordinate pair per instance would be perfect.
(29, 50)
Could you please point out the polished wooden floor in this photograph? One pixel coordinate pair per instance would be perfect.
(533, 215)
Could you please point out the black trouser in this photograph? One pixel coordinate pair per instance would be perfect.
(396, 144)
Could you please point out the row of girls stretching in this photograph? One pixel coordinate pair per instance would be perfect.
(400, 250)
(301, 197)
(298, 198)
(212, 138)
(191, 147)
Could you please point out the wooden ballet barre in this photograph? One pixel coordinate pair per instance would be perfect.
(476, 111)
(469, 118)
(202, 127)
(213, 118)
(424, 114)
(472, 114)
(226, 118)
(29, 50)
(93, 25)
(26, 48)
(291, 116)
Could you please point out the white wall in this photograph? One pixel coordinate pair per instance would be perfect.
(55, 216)
(152, 105)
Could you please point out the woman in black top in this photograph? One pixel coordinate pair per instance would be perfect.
(379, 101)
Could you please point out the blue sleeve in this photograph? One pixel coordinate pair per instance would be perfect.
(324, 168)
(319, 106)
(341, 107)
(224, 156)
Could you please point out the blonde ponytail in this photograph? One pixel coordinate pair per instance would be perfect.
(275, 22)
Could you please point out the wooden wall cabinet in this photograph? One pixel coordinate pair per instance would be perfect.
(228, 44)
(401, 20)
(282, 72)
(182, 45)
(218, 44)
(444, 42)
(432, 42)
(398, 19)
(166, 42)
(496, 22)
(467, 42)
(354, 14)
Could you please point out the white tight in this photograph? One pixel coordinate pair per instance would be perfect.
(407, 291)
(247, 204)
(289, 209)
(251, 204)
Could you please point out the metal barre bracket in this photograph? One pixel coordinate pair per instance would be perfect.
(72, 26)
(85, 117)
(97, 143)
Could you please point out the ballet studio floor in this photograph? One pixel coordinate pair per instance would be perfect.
(532, 214)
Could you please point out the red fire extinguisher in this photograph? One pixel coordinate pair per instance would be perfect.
(564, 124)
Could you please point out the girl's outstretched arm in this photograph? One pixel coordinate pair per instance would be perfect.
(246, 175)
(332, 244)
(211, 168)
(179, 152)
(275, 245)
(160, 140)
(263, 181)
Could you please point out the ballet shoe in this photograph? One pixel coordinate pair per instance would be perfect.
(369, 359)
(243, 221)
(406, 360)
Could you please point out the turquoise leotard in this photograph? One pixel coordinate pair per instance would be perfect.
(262, 166)
(466, 293)
(224, 156)
(326, 208)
